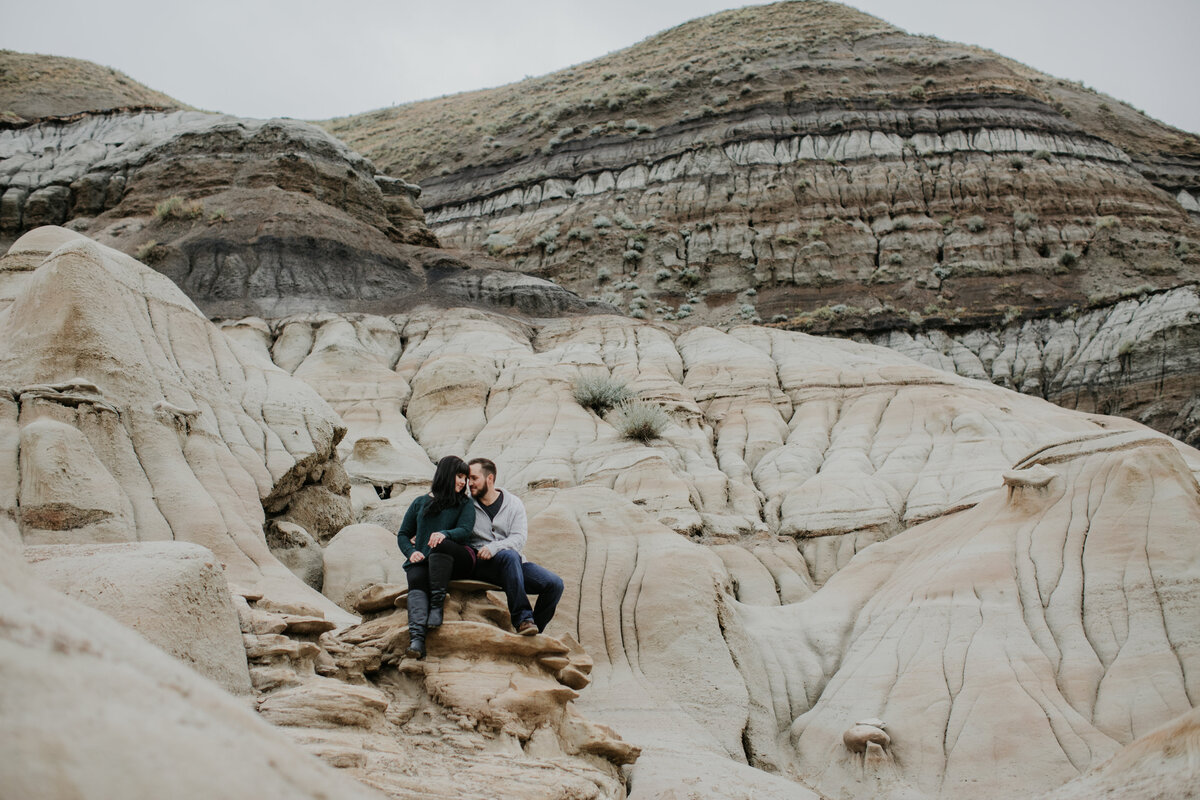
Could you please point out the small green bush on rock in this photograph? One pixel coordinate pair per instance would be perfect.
(600, 392)
(176, 208)
(640, 421)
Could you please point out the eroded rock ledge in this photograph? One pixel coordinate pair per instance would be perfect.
(487, 713)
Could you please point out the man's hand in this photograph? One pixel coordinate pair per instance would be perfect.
(484, 553)
(417, 557)
(436, 538)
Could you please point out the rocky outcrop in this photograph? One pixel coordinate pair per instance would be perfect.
(92, 709)
(1094, 653)
(127, 416)
(487, 714)
(773, 160)
(815, 567)
(1138, 358)
(265, 217)
(173, 593)
(230, 209)
(835, 497)
(1161, 764)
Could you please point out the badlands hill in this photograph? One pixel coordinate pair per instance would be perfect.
(34, 87)
(830, 572)
(806, 163)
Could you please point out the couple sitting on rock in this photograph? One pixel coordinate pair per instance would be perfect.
(448, 534)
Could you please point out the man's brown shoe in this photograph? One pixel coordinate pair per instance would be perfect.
(527, 628)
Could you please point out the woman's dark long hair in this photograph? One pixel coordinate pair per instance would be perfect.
(442, 490)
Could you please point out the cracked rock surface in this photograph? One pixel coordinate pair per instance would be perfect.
(834, 571)
(861, 533)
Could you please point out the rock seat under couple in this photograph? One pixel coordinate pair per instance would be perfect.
(480, 680)
(476, 622)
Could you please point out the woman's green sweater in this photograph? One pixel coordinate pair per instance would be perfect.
(456, 522)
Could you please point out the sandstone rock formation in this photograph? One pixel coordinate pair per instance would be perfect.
(786, 158)
(173, 593)
(859, 529)
(91, 709)
(1161, 764)
(128, 416)
(487, 714)
(822, 537)
(101, 458)
(1139, 358)
(860, 182)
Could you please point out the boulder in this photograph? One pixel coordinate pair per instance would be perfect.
(81, 692)
(358, 557)
(297, 550)
(172, 593)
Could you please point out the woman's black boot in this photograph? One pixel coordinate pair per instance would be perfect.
(418, 617)
(440, 568)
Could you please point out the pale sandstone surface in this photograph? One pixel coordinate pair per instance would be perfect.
(130, 417)
(649, 606)
(771, 431)
(1163, 765)
(893, 581)
(93, 710)
(854, 508)
(488, 713)
(297, 550)
(1017, 643)
(360, 556)
(173, 593)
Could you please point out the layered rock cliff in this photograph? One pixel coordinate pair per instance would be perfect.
(247, 216)
(778, 159)
(142, 453)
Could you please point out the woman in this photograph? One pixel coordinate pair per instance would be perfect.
(433, 537)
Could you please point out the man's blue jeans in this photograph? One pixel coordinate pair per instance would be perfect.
(519, 580)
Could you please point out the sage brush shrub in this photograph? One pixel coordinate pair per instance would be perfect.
(639, 420)
(176, 208)
(600, 392)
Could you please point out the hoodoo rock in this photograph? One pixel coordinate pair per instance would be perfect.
(793, 566)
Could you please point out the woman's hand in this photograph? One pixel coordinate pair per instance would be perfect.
(436, 538)
(417, 557)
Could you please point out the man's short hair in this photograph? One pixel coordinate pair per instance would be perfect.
(486, 464)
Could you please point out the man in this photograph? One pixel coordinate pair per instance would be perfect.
(501, 529)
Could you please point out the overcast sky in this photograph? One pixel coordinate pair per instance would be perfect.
(314, 60)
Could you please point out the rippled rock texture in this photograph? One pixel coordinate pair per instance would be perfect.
(825, 570)
(1139, 358)
(991, 587)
